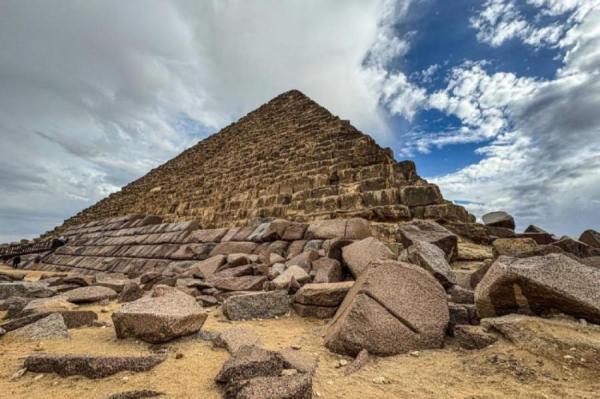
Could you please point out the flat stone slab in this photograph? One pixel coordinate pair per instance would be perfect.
(50, 327)
(25, 289)
(328, 294)
(90, 366)
(234, 338)
(164, 315)
(89, 294)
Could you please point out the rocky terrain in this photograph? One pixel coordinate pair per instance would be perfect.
(131, 307)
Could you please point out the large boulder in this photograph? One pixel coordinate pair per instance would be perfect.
(89, 366)
(499, 219)
(358, 255)
(256, 305)
(164, 315)
(392, 308)
(428, 231)
(431, 258)
(591, 238)
(538, 284)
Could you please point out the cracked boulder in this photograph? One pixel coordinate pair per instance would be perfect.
(164, 315)
(539, 284)
(393, 308)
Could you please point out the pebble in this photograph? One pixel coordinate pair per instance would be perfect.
(20, 373)
(415, 353)
(179, 355)
(289, 372)
(381, 380)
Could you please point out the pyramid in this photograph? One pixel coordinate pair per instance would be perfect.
(290, 158)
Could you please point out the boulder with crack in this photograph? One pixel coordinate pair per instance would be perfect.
(392, 308)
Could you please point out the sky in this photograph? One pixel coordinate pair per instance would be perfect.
(497, 101)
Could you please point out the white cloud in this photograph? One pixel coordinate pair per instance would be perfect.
(502, 20)
(544, 164)
(93, 94)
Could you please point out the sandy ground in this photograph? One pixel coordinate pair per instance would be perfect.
(499, 371)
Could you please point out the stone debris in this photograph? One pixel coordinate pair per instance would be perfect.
(360, 254)
(89, 294)
(473, 337)
(137, 394)
(234, 338)
(50, 327)
(431, 258)
(89, 366)
(164, 315)
(428, 231)
(538, 284)
(380, 313)
(259, 305)
(499, 219)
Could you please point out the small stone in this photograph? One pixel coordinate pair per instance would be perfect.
(381, 380)
(289, 372)
(179, 355)
(20, 373)
(415, 353)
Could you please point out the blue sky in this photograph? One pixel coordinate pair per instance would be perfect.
(496, 100)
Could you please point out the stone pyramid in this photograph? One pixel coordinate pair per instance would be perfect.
(290, 158)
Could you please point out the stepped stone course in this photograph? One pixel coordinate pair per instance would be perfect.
(290, 159)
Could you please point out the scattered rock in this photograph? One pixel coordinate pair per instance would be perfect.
(234, 338)
(303, 260)
(259, 305)
(461, 295)
(473, 337)
(89, 366)
(359, 255)
(537, 284)
(243, 283)
(591, 238)
(298, 386)
(352, 229)
(328, 294)
(25, 289)
(298, 360)
(513, 246)
(137, 394)
(130, 292)
(327, 270)
(392, 308)
(431, 258)
(89, 294)
(576, 248)
(428, 231)
(164, 315)
(50, 327)
(499, 219)
(251, 362)
(284, 279)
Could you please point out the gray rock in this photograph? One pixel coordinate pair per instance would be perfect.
(25, 289)
(499, 219)
(90, 294)
(251, 362)
(473, 337)
(259, 305)
(327, 270)
(538, 284)
(459, 294)
(89, 366)
(298, 386)
(234, 338)
(591, 238)
(360, 254)
(284, 279)
(164, 315)
(428, 231)
(392, 308)
(50, 327)
(431, 258)
(331, 294)
(130, 292)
